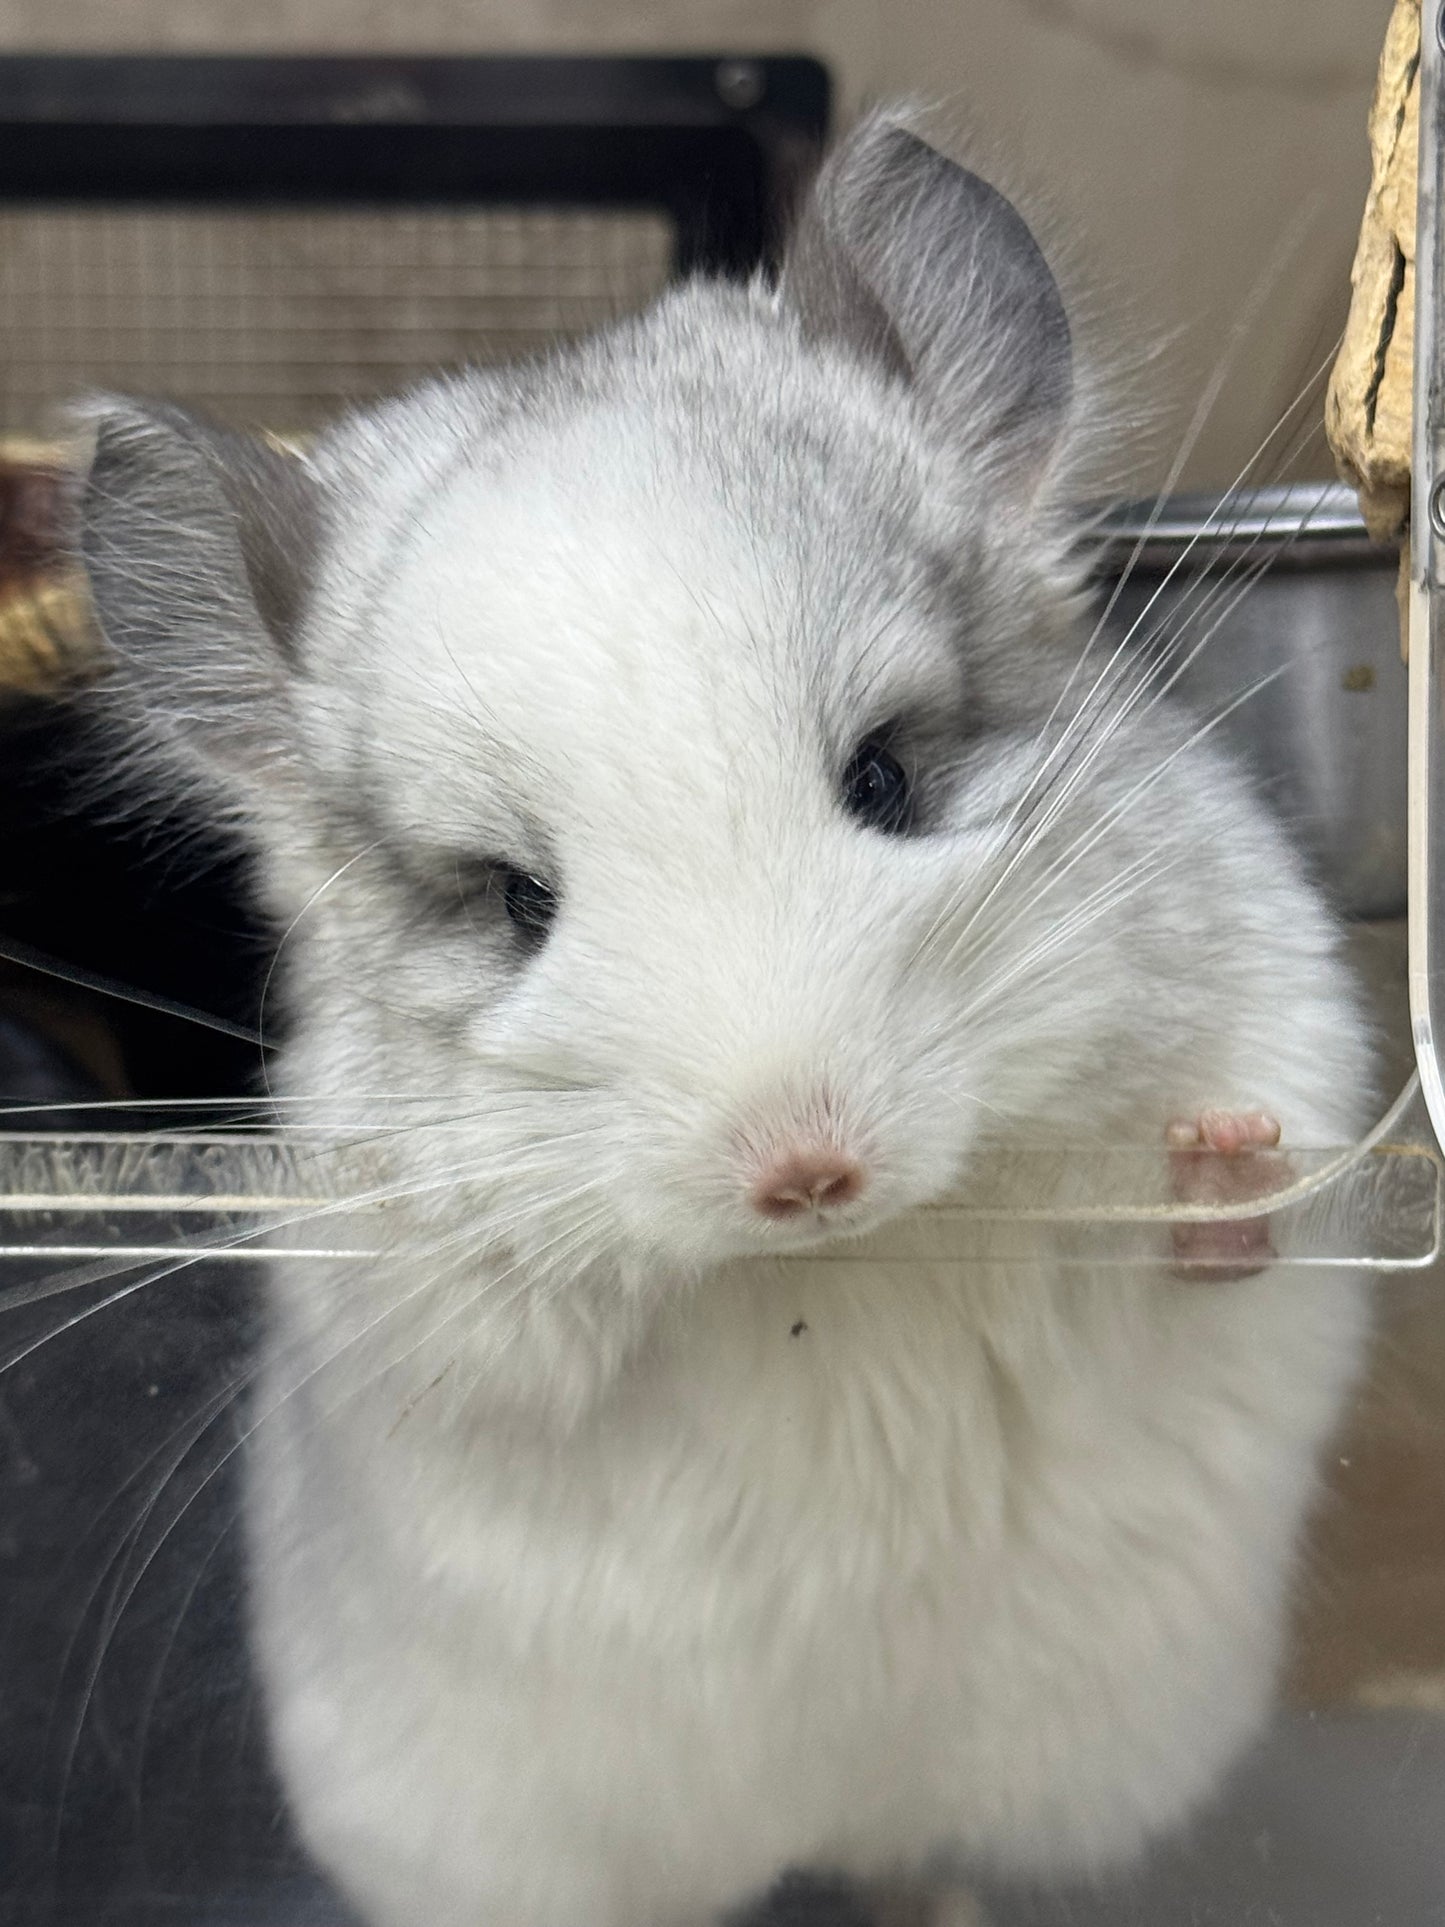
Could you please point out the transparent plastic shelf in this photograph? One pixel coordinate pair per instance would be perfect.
(218, 1195)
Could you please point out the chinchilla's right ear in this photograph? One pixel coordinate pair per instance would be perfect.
(199, 546)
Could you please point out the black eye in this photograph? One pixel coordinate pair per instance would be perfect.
(875, 790)
(530, 904)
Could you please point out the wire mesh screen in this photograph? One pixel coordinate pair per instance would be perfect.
(283, 315)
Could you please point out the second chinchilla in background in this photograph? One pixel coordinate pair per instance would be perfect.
(663, 755)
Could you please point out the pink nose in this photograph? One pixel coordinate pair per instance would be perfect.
(812, 1178)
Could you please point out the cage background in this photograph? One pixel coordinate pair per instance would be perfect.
(283, 315)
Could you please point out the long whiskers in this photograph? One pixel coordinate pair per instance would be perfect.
(29, 958)
(1138, 675)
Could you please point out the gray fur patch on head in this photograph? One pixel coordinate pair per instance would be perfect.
(923, 267)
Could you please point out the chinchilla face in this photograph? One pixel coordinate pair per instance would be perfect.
(630, 741)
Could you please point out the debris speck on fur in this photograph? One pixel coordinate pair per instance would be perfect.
(799, 1328)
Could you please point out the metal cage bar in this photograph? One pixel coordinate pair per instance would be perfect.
(1427, 591)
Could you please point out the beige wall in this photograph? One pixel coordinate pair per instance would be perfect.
(1179, 143)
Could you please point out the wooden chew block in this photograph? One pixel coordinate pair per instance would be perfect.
(45, 637)
(1367, 409)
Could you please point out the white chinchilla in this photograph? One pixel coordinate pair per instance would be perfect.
(664, 760)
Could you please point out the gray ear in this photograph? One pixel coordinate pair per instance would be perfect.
(928, 270)
(198, 544)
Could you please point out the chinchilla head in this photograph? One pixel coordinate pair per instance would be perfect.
(632, 740)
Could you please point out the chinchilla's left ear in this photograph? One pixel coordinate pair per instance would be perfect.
(199, 545)
(922, 266)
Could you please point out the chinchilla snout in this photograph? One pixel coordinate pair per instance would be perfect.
(785, 1072)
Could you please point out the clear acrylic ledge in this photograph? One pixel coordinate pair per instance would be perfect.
(131, 1198)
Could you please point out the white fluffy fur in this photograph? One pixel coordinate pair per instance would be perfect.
(589, 1590)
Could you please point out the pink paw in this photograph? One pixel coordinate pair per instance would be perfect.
(1223, 1157)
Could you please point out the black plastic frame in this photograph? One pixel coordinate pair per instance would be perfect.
(717, 143)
